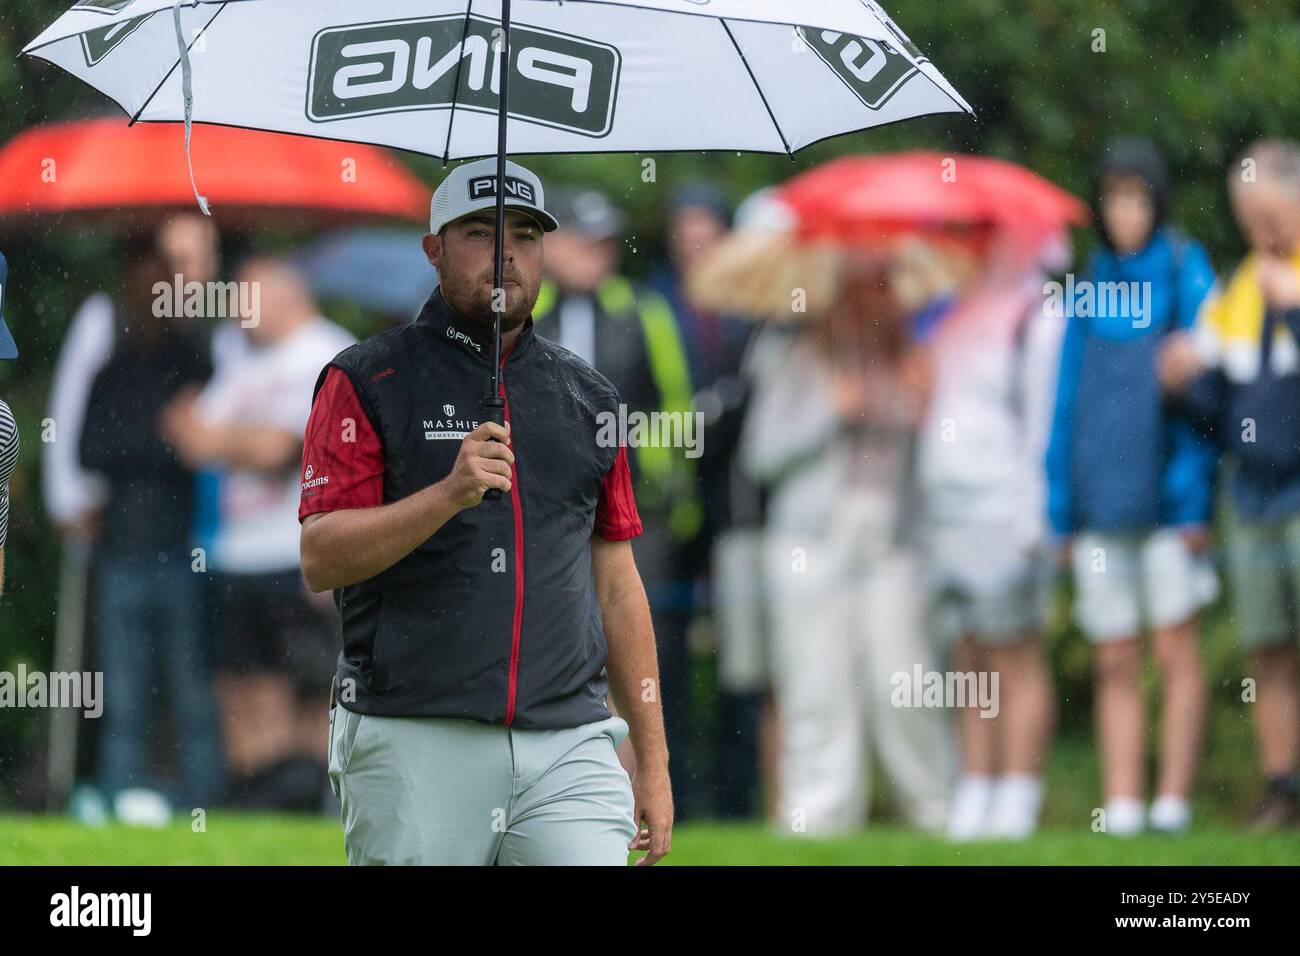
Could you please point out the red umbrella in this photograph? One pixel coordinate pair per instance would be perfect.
(106, 166)
(866, 199)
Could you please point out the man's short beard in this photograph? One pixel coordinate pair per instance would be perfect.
(472, 301)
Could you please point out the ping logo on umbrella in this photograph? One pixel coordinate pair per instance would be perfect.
(872, 69)
(103, 6)
(97, 44)
(556, 79)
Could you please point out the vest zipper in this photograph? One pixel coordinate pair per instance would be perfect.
(516, 506)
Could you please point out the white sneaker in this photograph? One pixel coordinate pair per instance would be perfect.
(1125, 816)
(968, 813)
(87, 805)
(1017, 800)
(140, 807)
(1171, 814)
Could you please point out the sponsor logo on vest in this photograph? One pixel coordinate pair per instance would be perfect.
(313, 482)
(99, 43)
(873, 69)
(486, 187)
(449, 428)
(457, 336)
(131, 910)
(556, 79)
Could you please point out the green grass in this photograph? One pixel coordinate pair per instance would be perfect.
(1218, 840)
(270, 840)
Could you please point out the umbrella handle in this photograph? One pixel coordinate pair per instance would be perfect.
(493, 409)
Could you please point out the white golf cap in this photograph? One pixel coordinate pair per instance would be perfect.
(473, 188)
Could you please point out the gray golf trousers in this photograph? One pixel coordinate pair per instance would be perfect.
(422, 790)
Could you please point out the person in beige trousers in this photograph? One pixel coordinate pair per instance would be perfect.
(829, 435)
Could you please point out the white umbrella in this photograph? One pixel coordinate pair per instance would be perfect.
(769, 76)
(585, 76)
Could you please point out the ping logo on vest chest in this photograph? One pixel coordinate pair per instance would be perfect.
(448, 427)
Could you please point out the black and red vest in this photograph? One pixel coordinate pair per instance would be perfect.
(494, 618)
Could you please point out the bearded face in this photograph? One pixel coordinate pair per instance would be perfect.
(464, 257)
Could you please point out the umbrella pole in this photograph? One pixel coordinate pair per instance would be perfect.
(499, 296)
(493, 405)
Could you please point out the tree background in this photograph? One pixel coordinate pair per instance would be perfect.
(1202, 78)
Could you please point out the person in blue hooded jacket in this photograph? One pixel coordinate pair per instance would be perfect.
(1130, 486)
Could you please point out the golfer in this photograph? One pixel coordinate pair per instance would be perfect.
(469, 722)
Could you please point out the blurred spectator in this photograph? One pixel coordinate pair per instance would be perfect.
(148, 598)
(188, 243)
(275, 650)
(631, 336)
(748, 755)
(697, 219)
(715, 344)
(74, 497)
(1240, 375)
(829, 435)
(994, 354)
(1130, 488)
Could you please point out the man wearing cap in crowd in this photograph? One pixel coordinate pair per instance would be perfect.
(8, 428)
(630, 335)
(480, 637)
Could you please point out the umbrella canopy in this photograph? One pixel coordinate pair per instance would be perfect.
(105, 165)
(471, 78)
(585, 75)
(861, 200)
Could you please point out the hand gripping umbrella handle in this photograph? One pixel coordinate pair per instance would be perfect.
(493, 409)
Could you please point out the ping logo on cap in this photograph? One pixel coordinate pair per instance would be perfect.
(486, 187)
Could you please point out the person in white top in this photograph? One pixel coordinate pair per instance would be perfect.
(275, 649)
(983, 491)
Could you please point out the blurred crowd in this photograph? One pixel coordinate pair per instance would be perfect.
(890, 480)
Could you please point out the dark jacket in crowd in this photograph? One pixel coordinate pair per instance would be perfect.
(150, 492)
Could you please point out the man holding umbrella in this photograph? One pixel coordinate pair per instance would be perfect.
(481, 635)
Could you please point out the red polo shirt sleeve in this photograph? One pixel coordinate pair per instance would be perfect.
(616, 514)
(342, 457)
